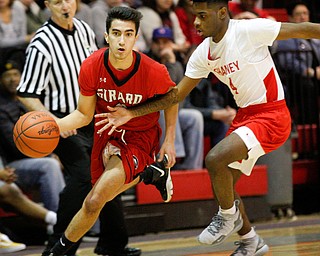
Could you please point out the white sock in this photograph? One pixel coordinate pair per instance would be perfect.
(232, 210)
(250, 234)
(51, 218)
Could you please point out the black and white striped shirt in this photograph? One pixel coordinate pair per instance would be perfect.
(53, 62)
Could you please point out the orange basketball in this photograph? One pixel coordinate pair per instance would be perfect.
(36, 134)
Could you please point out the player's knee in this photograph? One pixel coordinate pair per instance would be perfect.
(93, 204)
(213, 161)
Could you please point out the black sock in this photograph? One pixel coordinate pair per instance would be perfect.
(62, 246)
(146, 176)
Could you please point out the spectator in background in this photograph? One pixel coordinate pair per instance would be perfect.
(35, 15)
(100, 10)
(13, 25)
(189, 128)
(186, 18)
(13, 29)
(41, 173)
(159, 13)
(11, 195)
(246, 9)
(301, 57)
(208, 98)
(84, 12)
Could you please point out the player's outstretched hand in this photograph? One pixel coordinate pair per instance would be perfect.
(115, 118)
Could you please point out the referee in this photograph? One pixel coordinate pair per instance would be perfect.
(50, 82)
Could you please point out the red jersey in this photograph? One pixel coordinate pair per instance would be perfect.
(144, 80)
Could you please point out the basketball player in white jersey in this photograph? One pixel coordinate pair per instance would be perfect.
(236, 51)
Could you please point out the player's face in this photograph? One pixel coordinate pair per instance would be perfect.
(121, 38)
(62, 11)
(209, 20)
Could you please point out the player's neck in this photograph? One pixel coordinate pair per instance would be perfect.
(121, 64)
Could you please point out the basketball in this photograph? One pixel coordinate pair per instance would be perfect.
(36, 134)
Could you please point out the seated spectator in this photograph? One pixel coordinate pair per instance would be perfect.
(189, 128)
(301, 59)
(43, 173)
(84, 12)
(186, 18)
(246, 9)
(35, 15)
(159, 13)
(209, 101)
(11, 195)
(13, 25)
(100, 10)
(6, 245)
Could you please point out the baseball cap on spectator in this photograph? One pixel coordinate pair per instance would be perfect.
(9, 65)
(163, 32)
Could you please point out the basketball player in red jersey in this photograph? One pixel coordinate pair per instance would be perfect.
(118, 76)
(236, 52)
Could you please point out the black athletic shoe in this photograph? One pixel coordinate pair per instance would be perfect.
(128, 251)
(161, 178)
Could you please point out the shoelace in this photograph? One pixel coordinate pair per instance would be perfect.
(216, 224)
(241, 247)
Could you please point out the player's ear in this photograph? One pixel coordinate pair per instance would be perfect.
(222, 13)
(46, 3)
(106, 37)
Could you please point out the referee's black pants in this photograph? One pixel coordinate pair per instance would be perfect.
(74, 153)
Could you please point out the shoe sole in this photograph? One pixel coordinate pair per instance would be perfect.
(262, 251)
(169, 187)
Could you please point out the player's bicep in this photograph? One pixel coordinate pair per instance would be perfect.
(298, 30)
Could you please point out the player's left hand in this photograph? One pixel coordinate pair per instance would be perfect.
(169, 149)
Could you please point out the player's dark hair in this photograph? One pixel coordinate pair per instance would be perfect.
(123, 13)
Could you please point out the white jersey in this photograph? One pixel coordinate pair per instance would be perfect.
(242, 61)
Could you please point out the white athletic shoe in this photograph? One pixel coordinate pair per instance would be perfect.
(254, 246)
(6, 245)
(221, 227)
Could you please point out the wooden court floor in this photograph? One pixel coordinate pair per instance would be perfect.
(284, 237)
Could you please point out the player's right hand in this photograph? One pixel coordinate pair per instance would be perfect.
(69, 133)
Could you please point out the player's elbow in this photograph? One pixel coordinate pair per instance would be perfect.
(174, 96)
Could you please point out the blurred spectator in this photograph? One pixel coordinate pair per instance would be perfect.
(207, 98)
(189, 128)
(186, 18)
(100, 10)
(247, 9)
(11, 195)
(42, 173)
(13, 25)
(84, 12)
(305, 64)
(35, 15)
(159, 13)
(302, 58)
(6, 245)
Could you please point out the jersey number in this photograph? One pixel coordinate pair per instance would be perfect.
(233, 87)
